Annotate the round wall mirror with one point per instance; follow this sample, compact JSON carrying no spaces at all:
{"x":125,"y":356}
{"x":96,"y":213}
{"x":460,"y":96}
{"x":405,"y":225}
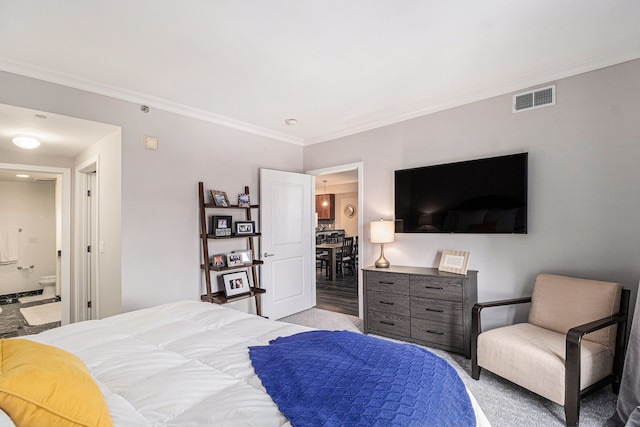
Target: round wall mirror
{"x":349,"y":210}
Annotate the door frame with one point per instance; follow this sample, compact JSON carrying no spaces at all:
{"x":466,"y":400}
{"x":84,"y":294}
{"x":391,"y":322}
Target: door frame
{"x":65,"y":229}
{"x":359,"y":166}
{"x":83,"y":265}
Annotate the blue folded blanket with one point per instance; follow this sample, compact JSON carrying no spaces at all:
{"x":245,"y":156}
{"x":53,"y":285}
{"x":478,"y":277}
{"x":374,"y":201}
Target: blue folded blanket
{"x":341,"y":378}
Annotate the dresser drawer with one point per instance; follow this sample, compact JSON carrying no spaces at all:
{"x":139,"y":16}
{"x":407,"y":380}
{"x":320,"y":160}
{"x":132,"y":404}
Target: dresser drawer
{"x":388,"y":303}
{"x":436,"y":287}
{"x":387,"y":282}
{"x":443,"y":334}
{"x":437,"y":310}
{"x":388,"y":324}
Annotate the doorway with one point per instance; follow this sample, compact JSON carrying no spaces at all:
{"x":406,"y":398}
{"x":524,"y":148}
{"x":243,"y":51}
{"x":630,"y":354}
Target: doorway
{"x":338,"y":283}
{"x":62,"y":176}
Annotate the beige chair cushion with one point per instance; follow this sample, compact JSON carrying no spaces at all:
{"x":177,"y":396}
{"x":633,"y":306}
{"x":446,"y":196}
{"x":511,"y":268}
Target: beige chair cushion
{"x":534,"y":358}
{"x":560,"y":303}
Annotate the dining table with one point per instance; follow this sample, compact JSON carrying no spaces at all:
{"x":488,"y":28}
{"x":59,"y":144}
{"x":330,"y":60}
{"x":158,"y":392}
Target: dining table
{"x":332,"y":249}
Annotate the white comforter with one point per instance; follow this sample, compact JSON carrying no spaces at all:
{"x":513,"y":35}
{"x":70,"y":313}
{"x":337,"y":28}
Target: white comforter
{"x":179,"y":364}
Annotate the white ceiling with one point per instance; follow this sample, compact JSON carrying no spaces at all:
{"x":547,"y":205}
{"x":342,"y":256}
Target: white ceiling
{"x":59,"y":135}
{"x":335,"y":179}
{"x":32,"y":177}
{"x":338,"y":66}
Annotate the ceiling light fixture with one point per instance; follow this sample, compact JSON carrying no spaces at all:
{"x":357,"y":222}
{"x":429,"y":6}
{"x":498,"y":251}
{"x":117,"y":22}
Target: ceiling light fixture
{"x":291,"y":122}
{"x":26,"y":142}
{"x":22,"y":175}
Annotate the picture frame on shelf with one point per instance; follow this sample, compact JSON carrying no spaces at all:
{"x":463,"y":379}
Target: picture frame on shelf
{"x":220,"y":198}
{"x":245,"y":256}
{"x":234,"y":259}
{"x":221,"y":225}
{"x":454,"y":261}
{"x":244,"y":201}
{"x":219,"y":260}
{"x":244,"y":228}
{"x":236,"y":284}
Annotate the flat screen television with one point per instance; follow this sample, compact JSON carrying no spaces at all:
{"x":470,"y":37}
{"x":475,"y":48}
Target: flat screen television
{"x":477,"y":196}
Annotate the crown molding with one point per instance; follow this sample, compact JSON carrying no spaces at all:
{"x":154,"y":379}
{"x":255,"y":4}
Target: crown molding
{"x":143,"y":99}
{"x":454,"y":100}
{"x":363,"y":124}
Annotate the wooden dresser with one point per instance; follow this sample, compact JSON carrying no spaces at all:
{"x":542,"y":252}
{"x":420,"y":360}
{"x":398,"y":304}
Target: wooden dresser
{"x":421,"y":305}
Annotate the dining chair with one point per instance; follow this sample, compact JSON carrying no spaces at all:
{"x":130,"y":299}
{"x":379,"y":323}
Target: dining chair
{"x":322,"y":256}
{"x":344,"y":257}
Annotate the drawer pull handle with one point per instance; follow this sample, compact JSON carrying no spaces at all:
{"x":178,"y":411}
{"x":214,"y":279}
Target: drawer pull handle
{"x":385,"y":283}
{"x":386,"y":303}
{"x":433,"y":310}
{"x":387,"y":323}
{"x":435,"y":332}
{"x":434,"y":287}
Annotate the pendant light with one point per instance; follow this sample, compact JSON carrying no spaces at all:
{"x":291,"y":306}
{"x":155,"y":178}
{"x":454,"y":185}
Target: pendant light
{"x":324,"y":202}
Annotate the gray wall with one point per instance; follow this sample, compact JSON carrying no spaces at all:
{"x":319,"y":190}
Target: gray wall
{"x":160,"y":237}
{"x":584,"y":182}
{"x":106,"y":154}
{"x":584,"y":200}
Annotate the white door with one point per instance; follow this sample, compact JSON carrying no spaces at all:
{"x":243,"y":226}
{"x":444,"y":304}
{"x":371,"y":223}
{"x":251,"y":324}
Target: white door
{"x":286,"y":222}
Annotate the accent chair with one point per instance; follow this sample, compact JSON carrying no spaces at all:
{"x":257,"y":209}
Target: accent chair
{"x":572,"y":344}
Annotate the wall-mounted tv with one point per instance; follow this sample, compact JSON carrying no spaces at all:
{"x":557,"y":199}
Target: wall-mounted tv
{"x":477,"y":196}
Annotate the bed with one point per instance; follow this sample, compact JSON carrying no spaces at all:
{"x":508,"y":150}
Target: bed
{"x":180,"y":364}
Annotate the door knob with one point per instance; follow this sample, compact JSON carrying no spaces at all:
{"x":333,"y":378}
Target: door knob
{"x":268,"y":255}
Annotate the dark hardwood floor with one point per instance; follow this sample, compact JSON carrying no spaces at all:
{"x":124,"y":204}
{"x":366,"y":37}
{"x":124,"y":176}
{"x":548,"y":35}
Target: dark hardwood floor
{"x":340,"y":296}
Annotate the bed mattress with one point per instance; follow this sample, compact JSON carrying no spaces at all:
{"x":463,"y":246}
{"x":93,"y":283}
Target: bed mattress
{"x":180,"y":364}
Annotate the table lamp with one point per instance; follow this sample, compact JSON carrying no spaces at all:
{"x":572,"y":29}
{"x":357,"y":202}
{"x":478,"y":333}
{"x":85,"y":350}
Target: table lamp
{"x":382,"y":232}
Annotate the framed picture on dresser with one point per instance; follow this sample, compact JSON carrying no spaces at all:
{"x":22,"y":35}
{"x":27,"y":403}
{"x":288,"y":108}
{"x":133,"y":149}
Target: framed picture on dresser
{"x":454,"y":261}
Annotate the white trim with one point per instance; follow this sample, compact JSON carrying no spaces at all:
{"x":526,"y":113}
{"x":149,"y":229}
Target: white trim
{"x":452,"y":100}
{"x":359,"y":166}
{"x":91,"y":165}
{"x":141,"y":98}
{"x":65,"y":238}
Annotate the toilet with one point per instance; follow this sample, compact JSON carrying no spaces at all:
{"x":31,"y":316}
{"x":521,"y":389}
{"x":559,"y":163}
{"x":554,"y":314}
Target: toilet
{"x":48,"y":284}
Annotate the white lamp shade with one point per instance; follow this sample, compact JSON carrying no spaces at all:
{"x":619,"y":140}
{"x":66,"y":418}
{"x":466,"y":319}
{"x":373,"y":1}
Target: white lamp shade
{"x":382,"y":231}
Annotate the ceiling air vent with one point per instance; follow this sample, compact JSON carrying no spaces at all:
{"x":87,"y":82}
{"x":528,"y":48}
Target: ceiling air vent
{"x":537,"y":98}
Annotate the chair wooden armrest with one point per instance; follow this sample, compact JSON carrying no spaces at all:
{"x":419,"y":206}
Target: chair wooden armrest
{"x":576,"y":333}
{"x":476,"y":327}
{"x":572,"y":358}
{"x":479,"y":306}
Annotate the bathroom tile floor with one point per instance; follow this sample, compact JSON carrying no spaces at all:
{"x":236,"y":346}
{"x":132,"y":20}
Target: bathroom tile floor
{"x":13,"y":323}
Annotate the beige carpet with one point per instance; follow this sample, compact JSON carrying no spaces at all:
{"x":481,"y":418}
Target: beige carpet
{"x":44,"y":313}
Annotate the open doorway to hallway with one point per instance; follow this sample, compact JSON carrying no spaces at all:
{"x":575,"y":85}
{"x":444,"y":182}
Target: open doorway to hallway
{"x":69,"y":143}
{"x":31,"y":241}
{"x":338,"y":231}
